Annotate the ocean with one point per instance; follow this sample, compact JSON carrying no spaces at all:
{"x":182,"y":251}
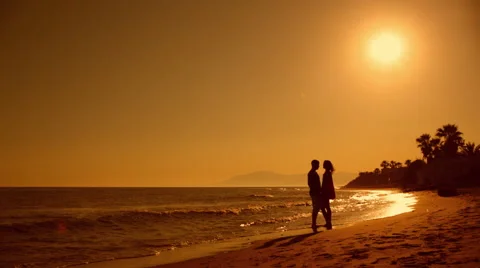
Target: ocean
{"x":62,"y":227}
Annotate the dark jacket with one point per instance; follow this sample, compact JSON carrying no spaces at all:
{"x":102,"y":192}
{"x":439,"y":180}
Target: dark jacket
{"x":314,"y":183}
{"x":328,"y":190}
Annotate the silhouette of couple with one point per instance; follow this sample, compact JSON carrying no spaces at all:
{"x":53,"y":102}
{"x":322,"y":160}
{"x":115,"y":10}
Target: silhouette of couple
{"x":321,"y":193}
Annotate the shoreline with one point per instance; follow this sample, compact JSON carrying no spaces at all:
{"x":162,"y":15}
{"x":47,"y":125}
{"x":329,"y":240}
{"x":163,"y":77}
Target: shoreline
{"x":199,"y":251}
{"x":439,"y":231}
{"x":370,"y":188}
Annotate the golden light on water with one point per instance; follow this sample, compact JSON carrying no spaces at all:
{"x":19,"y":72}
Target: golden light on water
{"x":401,"y":203}
{"x":380,"y":203}
{"x":388,"y":203}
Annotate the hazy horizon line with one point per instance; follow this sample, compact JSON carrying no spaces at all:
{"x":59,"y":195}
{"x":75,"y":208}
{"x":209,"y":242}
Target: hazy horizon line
{"x":209,"y":186}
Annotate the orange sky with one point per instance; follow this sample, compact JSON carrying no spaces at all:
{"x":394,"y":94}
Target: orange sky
{"x":163,"y":93}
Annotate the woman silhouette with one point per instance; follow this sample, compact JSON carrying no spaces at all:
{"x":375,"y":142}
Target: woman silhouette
{"x":328,"y":192}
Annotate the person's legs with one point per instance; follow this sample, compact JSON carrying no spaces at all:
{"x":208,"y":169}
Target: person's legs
{"x":314,"y":218}
{"x":324,"y":213}
{"x":323,"y":208}
{"x":315,"y":209}
{"x":328,"y":213}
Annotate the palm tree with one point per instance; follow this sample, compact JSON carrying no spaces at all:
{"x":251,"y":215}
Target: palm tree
{"x":424,"y":143}
{"x":395,"y":164}
{"x":451,"y":139}
{"x":469,"y":149}
{"x":411,"y":176}
{"x":384,"y":165}
{"x":408,"y":162}
{"x":436,"y":144}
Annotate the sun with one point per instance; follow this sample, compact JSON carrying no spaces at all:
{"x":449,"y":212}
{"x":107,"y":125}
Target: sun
{"x":386,"y":48}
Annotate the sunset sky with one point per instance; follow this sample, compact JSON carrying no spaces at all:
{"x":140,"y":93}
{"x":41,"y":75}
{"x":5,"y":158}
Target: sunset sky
{"x":179,"y":93}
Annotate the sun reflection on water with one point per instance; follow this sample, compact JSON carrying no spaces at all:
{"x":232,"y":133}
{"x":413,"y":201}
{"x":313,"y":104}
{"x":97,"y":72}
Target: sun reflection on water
{"x":382,"y":203}
{"x":402,"y":203}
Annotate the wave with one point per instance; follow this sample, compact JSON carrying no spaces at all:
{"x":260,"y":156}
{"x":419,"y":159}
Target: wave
{"x":364,"y":197}
{"x":58,"y":225}
{"x":120,"y":220}
{"x":261,"y":195}
{"x":224,"y":211}
{"x":285,"y":219}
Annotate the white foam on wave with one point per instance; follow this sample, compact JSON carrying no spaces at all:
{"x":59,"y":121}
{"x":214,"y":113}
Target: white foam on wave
{"x":284,"y":219}
{"x":262,"y":195}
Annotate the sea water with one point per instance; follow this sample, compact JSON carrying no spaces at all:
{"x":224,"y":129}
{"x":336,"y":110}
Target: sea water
{"x":59,"y":227}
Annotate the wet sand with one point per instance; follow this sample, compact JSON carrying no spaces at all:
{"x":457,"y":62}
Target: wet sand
{"x":440,"y":232}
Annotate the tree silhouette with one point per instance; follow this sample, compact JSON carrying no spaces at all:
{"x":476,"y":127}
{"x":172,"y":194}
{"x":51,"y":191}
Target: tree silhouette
{"x":408,"y":162}
{"x":450,"y":139}
{"x":384,"y":165}
{"x":395,"y":164}
{"x":424,"y":143}
{"x":436,"y":148}
{"x":445,"y":173}
{"x":469,"y":149}
{"x":410,"y":176}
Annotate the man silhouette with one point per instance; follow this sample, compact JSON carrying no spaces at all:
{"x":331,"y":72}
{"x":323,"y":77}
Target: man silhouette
{"x":315,"y":192}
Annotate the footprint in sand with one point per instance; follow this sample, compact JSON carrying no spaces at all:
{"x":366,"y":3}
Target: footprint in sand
{"x":383,"y":248}
{"x":325,"y":256}
{"x":408,"y":245}
{"x":410,"y":261}
{"x":378,"y":242}
{"x":428,"y":253}
{"x":454,"y":249}
{"x":358,"y":254}
{"x":452,"y":239}
{"x":380,"y":260}
{"x":394,"y":236}
{"x":277,"y":256}
{"x":347,"y":247}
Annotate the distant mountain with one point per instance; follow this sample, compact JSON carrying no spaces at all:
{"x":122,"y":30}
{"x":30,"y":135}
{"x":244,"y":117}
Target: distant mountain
{"x":268,"y":178}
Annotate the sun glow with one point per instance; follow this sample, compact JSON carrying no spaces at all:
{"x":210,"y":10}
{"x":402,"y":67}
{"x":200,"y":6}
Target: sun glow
{"x":386,"y":48}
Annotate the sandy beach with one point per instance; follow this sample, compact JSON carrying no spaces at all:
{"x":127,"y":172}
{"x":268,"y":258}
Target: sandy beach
{"x":440,"y":232}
